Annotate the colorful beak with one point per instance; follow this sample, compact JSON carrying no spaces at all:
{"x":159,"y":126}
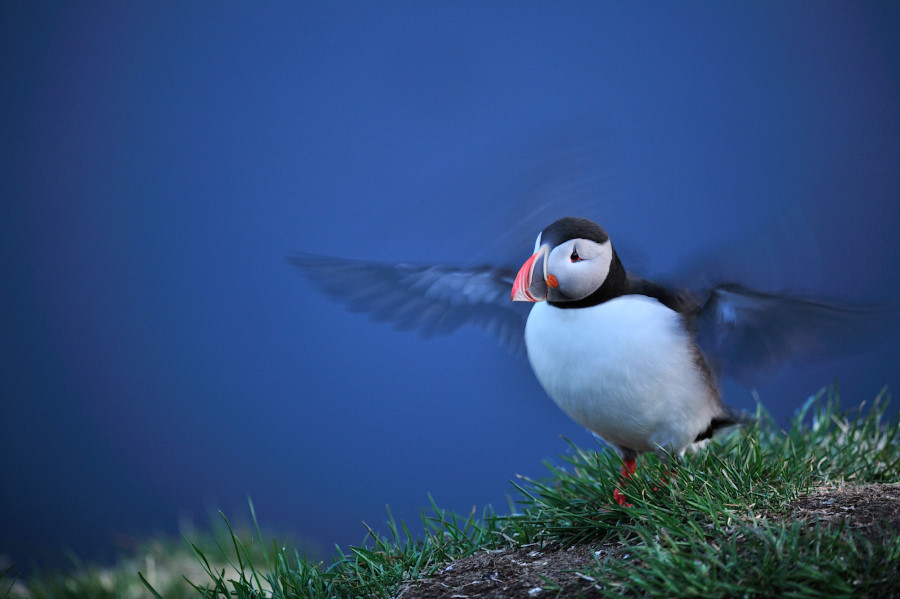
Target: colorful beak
{"x":531,"y":281}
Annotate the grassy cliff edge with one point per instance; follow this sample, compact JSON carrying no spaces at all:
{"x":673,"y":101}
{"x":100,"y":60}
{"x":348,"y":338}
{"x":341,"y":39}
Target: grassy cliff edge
{"x":813,"y":510}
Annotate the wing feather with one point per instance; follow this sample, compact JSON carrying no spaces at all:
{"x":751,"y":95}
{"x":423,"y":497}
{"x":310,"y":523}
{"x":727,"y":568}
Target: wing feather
{"x":749,"y":335}
{"x":433,"y":300}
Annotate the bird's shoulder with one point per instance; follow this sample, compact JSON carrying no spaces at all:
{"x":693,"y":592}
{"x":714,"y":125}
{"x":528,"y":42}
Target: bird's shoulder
{"x":679,"y":300}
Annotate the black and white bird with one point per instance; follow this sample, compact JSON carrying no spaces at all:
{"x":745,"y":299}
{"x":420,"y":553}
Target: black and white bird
{"x":616,"y":352}
{"x":634,"y":361}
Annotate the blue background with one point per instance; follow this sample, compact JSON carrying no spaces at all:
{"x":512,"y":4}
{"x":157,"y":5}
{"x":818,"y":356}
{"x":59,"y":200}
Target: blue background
{"x":160,"y":358}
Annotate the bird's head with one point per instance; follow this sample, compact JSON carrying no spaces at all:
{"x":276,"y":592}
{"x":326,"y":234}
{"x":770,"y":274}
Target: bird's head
{"x":573,"y":259}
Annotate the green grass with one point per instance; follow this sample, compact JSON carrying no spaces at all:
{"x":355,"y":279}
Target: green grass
{"x":753,"y":469}
{"x":165,"y":561}
{"x":713,"y":531}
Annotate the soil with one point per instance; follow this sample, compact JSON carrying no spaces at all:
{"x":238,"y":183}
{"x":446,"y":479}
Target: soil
{"x":525,"y":572}
{"x":871,"y":510}
{"x":510,"y":573}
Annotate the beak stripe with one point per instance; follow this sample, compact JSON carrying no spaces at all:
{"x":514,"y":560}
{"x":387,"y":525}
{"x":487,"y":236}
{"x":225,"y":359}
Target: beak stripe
{"x":530,"y":286}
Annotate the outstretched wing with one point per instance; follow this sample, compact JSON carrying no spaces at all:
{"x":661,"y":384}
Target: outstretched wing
{"x":748,"y":335}
{"x":434,"y":300}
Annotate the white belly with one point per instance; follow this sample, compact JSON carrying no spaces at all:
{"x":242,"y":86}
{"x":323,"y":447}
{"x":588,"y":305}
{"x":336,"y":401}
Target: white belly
{"x":625,"y":369}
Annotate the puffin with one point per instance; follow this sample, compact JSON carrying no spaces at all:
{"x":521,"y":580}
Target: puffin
{"x":634,"y":361}
{"x":616,"y":352}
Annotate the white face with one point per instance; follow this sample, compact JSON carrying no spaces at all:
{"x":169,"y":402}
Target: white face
{"x":580,"y":266}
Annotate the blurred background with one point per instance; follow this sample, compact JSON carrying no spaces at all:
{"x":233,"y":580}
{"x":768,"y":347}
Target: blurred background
{"x":160,"y":357}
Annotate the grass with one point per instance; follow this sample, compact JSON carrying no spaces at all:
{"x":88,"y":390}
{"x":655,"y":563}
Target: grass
{"x":718,"y":529}
{"x":164,"y":561}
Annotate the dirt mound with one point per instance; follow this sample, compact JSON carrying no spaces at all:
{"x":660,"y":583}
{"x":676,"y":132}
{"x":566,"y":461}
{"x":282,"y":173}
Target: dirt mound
{"x":522,"y":573}
{"x":870,"y":510}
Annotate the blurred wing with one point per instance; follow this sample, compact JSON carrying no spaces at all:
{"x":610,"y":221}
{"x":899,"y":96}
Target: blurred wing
{"x":435,"y":300}
{"x":749,"y":335}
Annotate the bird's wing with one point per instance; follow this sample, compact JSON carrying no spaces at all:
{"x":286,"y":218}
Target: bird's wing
{"x":434,"y":300}
{"x":748,"y":335}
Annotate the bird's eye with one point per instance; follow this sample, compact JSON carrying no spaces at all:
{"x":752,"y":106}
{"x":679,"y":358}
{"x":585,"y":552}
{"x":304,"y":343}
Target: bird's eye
{"x":575,"y":257}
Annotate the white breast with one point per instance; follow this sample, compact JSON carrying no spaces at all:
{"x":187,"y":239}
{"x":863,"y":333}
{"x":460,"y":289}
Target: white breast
{"x":625,"y":369}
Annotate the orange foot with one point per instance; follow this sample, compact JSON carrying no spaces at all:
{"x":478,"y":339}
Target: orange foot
{"x":620,"y":498}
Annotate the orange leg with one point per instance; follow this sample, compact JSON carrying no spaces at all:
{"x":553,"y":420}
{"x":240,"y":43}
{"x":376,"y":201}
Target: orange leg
{"x":628,"y":468}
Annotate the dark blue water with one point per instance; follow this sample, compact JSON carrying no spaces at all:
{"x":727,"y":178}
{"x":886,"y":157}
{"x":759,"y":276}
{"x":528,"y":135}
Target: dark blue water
{"x":160,"y":358}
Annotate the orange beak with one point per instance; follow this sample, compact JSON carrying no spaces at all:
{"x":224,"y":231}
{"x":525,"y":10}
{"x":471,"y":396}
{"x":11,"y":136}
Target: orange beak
{"x":531,"y":283}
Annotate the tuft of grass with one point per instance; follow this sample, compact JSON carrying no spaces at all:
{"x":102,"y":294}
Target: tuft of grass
{"x":768,"y":559}
{"x":707,"y":526}
{"x":709,"y":532}
{"x":371,"y":570}
{"x":754,"y":469}
{"x":167,"y":562}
